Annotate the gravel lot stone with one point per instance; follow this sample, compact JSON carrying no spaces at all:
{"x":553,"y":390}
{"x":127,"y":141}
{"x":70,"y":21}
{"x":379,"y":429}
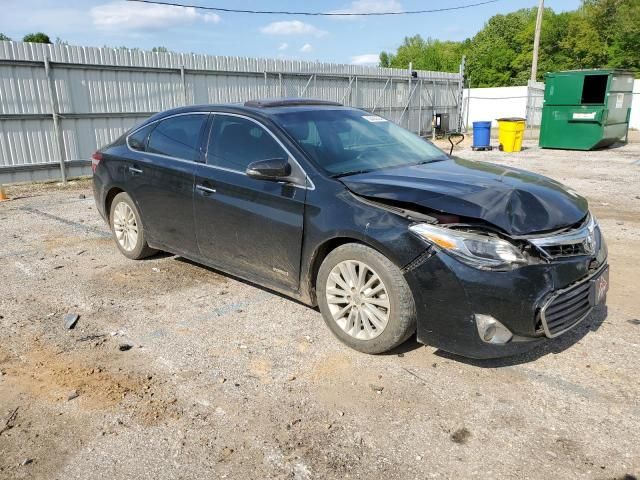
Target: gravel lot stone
{"x":228,"y":380}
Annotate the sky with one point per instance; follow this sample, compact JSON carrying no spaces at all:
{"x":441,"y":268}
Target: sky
{"x":340,"y":39}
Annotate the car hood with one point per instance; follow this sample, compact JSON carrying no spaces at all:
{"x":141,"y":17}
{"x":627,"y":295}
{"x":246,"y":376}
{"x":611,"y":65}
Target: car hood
{"x":516,"y":201}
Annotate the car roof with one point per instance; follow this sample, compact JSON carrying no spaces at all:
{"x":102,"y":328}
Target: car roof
{"x":261,"y":108}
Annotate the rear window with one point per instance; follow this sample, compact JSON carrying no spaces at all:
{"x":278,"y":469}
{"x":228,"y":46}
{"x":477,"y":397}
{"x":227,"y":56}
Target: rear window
{"x":346,"y":141}
{"x":138,"y":139}
{"x":178,"y":137}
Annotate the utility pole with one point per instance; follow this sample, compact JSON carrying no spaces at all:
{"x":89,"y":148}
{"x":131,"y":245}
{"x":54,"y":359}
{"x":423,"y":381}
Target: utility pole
{"x":536,"y":42}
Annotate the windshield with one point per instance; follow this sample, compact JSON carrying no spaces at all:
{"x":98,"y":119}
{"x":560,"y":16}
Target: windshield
{"x":344,"y":142}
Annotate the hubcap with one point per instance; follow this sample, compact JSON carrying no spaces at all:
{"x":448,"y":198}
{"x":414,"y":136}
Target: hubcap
{"x":358,"y":300}
{"x":125,"y":226}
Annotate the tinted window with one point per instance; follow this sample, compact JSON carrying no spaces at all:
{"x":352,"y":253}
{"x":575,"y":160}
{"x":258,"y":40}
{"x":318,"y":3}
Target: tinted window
{"x":236,"y":142}
{"x":138,"y":140}
{"x":178,"y":137}
{"x":344,"y":141}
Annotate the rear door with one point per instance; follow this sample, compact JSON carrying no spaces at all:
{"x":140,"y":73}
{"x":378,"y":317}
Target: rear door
{"x":161,"y":175}
{"x":248,"y":226}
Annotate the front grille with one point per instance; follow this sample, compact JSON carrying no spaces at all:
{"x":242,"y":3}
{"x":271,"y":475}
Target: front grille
{"x":570,"y":243}
{"x":566,"y":250}
{"x":566,"y":309}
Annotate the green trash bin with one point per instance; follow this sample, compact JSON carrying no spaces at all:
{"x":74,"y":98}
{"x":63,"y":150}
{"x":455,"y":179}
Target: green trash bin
{"x":586,"y":109}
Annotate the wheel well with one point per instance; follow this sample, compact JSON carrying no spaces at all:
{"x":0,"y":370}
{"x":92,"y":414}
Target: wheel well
{"x":320,"y":254}
{"x":109,"y":200}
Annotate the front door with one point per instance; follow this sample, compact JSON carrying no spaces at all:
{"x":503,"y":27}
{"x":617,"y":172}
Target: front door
{"x":245,"y":225}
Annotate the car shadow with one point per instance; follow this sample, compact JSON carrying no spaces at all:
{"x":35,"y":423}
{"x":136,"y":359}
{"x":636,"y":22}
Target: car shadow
{"x":409,"y":345}
{"x":239,"y":279}
{"x":554,"y":346}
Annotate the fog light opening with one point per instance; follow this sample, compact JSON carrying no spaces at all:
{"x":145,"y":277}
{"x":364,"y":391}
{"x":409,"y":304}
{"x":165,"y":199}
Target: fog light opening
{"x":491,"y":330}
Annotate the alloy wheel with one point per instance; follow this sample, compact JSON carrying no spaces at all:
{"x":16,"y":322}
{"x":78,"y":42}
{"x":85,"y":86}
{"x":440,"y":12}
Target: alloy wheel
{"x":125,"y":226}
{"x":358,"y":299}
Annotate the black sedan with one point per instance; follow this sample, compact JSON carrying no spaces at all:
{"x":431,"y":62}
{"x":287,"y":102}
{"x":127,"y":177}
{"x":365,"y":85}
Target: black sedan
{"x":345,"y":210}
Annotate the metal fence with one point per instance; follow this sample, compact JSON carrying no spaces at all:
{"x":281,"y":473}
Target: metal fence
{"x":60,"y":103}
{"x":535,"y":102}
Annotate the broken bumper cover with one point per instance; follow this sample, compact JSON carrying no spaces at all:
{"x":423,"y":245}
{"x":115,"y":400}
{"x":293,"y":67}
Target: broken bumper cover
{"x":449,"y":294}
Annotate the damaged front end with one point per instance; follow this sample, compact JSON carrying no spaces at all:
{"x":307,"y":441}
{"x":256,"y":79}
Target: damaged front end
{"x":484,"y":293}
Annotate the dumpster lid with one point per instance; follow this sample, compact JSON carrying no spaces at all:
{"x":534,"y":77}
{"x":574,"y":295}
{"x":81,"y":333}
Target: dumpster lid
{"x":512,"y":119}
{"x":592,"y":71}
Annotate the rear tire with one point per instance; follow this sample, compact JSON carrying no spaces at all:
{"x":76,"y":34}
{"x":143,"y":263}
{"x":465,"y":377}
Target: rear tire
{"x":364,"y":299}
{"x":127,"y":229}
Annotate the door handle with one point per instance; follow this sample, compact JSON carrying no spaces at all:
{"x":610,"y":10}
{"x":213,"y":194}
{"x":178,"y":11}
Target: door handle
{"x":135,"y":170}
{"x":205,"y":190}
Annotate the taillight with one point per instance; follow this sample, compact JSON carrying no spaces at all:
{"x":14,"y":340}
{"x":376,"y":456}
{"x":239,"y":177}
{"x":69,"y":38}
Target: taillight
{"x":95,"y":160}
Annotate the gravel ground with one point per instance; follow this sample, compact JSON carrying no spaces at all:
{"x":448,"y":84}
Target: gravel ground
{"x":226,"y":380}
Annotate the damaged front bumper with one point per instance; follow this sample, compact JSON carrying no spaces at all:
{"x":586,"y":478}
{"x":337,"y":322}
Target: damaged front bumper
{"x":449,"y":295}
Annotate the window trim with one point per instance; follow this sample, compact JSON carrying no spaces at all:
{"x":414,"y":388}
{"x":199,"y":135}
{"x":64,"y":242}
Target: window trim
{"x":310,"y":185}
{"x":158,"y":121}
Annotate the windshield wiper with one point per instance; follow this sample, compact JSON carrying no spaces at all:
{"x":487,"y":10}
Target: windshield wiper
{"x":432,"y":160}
{"x":352,"y":172}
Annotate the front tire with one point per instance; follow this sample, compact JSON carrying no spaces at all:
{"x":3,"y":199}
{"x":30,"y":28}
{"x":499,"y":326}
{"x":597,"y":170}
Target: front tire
{"x":364,"y":299}
{"x":127,"y":228}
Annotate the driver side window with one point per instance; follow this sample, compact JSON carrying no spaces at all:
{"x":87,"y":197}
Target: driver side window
{"x":236,"y":142}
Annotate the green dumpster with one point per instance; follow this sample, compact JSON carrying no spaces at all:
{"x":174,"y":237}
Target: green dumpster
{"x":586,"y":109}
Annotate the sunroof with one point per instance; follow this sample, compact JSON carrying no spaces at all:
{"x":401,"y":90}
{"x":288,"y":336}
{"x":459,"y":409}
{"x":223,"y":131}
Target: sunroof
{"x":288,"y":102}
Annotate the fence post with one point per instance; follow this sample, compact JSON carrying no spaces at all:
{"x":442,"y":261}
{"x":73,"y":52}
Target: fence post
{"x":184,"y":85}
{"x":461,"y":94}
{"x":54,"y":115}
{"x":409,"y":100}
{"x":433,"y":113}
{"x":466,"y":122}
{"x":420,"y":108}
{"x":355,"y":104}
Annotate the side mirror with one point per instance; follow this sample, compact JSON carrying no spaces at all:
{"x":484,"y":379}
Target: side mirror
{"x":270,"y":169}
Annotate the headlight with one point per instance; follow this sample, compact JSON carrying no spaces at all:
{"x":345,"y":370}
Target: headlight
{"x":475,"y":249}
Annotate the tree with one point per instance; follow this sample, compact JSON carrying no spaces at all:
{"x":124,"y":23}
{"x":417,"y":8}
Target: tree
{"x":4,"y":37}
{"x":599,"y":34}
{"x":426,"y":54}
{"x":160,"y":49}
{"x":385,"y":59}
{"x":624,"y":51}
{"x":38,"y":37}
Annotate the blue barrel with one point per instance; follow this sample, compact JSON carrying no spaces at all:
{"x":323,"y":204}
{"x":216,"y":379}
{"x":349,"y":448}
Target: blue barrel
{"x":481,"y":134}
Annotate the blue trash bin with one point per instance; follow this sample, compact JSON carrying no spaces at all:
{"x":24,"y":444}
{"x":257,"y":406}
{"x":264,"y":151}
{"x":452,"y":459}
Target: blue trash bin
{"x":481,"y":134}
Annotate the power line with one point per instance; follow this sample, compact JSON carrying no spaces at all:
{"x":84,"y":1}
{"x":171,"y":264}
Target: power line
{"x":316,"y":14}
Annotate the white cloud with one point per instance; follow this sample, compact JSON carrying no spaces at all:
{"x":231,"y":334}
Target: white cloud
{"x":283,"y":46}
{"x":306,"y":48}
{"x":121,"y":15}
{"x":293,"y":27}
{"x":366,"y":59}
{"x":368,"y":6}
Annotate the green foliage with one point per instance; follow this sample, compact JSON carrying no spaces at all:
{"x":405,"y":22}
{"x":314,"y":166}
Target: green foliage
{"x":426,"y":54}
{"x":38,"y":37}
{"x":4,"y":37}
{"x":601,"y":33}
{"x":160,"y":49}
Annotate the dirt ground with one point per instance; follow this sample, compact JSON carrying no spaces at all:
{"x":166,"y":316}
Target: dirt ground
{"x":226,"y":380}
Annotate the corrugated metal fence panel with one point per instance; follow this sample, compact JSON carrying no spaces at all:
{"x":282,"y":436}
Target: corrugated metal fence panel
{"x":101,"y":92}
{"x":82,"y":136}
{"x":23,"y":89}
{"x":27,"y":142}
{"x":138,"y":58}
